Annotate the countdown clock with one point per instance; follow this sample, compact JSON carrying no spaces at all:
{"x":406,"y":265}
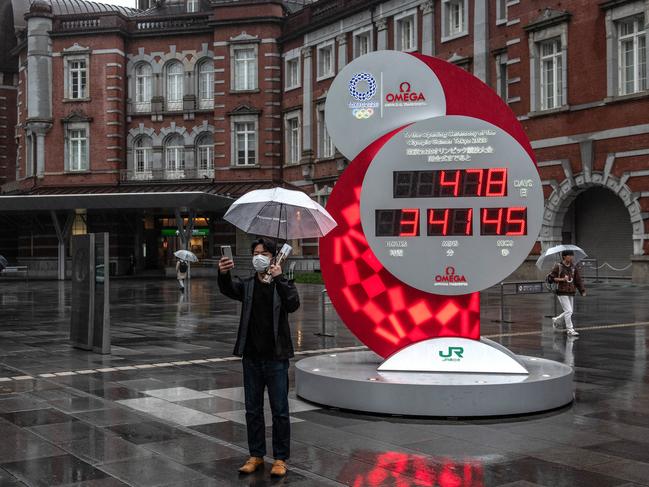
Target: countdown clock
{"x":443,"y":201}
{"x":451,"y":205}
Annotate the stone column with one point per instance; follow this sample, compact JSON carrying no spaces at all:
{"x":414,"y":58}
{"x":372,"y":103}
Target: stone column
{"x":307,"y":101}
{"x":39,"y":77}
{"x":428,"y":29}
{"x":382,"y":39}
{"x":342,"y":51}
{"x":480,"y":39}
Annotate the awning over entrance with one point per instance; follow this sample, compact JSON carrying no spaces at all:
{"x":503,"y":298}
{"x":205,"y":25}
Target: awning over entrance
{"x":105,"y":201}
{"x":201,"y":197}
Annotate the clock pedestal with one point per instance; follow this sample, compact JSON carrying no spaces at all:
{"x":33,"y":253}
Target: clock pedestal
{"x":351,"y":381}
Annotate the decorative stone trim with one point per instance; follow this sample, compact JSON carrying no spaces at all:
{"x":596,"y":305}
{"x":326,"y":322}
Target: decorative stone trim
{"x":566,"y":191}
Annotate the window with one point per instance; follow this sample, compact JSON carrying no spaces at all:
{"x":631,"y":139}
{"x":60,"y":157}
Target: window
{"x":175,"y":86}
{"x":293,"y":139}
{"x":362,"y":42}
{"x":293,"y":72}
{"x":245,"y":68}
{"x":77,"y":77}
{"x":205,"y":152}
{"x":632,"y":55}
{"x":406,"y":34}
{"x":326,"y":61}
{"x":502,"y":81}
{"x":175,"y":156}
{"x":30,"y":151}
{"x":245,"y":141}
{"x":501,"y":11}
{"x":326,"y":147}
{"x":77,"y":149}
{"x":454,"y":19}
{"x":142,"y":152}
{"x":551,"y":74}
{"x":143,"y":87}
{"x":206,"y":85}
{"x":192,"y":5}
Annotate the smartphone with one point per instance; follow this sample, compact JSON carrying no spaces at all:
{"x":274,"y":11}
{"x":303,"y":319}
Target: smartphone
{"x":226,"y":251}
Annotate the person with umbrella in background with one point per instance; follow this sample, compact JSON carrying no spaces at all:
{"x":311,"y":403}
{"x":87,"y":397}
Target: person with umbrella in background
{"x":567,"y":277}
{"x":181,"y":273}
{"x":264,"y":342}
{"x":182,"y":266}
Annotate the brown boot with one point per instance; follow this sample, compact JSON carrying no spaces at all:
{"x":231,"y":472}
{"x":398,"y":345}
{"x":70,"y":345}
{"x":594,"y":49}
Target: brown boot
{"x":251,"y":465}
{"x":279,"y":469}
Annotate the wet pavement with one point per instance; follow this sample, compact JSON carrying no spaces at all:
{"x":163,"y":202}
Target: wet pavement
{"x":166,"y":407}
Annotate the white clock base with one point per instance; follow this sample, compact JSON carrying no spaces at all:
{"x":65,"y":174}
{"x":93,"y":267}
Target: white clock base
{"x":351,"y":381}
{"x":454,"y":355}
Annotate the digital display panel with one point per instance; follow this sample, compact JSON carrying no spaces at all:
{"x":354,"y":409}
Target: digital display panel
{"x":450,"y":183}
{"x":451,"y":222}
{"x":397,"y":223}
{"x":444,"y":222}
{"x":503,"y":221}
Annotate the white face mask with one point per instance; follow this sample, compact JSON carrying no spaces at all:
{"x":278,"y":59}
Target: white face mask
{"x":260,"y":262}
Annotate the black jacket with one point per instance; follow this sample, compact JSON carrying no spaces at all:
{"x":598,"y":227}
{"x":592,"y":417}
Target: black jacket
{"x":285,"y":300}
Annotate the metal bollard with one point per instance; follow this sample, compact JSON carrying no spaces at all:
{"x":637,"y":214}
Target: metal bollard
{"x":323,"y":315}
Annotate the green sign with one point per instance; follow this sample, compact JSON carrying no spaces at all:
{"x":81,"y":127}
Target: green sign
{"x":196,"y":232}
{"x":448,"y":356}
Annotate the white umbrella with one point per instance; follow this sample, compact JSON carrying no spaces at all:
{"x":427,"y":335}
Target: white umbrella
{"x":546,"y":257}
{"x":186,"y":255}
{"x":280,"y":212}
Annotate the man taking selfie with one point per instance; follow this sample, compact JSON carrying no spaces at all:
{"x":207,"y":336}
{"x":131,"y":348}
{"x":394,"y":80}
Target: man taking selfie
{"x":264,"y":342}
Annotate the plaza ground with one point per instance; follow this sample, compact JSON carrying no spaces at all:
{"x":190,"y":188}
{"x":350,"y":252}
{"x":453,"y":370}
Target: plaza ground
{"x":69,"y":417}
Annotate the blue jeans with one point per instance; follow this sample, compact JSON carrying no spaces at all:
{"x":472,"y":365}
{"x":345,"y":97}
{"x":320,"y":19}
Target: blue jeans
{"x":257,"y":375}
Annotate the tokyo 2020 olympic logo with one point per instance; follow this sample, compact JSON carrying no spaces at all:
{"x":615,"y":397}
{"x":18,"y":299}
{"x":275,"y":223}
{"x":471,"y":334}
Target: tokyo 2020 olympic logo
{"x":358,"y":93}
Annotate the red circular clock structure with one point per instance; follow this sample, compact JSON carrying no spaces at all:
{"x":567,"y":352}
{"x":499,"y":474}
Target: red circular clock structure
{"x":383,"y":311}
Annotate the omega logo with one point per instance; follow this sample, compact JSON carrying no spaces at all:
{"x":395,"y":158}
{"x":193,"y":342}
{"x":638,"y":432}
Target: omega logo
{"x":405,"y":94}
{"x":450,"y":278}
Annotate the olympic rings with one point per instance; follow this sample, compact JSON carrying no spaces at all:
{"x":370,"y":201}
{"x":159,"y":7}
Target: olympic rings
{"x":363,"y":113}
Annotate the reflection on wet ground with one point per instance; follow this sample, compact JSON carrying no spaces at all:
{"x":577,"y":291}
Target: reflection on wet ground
{"x":69,"y":417}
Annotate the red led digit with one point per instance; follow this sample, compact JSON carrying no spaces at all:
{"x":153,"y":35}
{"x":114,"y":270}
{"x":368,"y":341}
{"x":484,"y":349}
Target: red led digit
{"x":473,"y":182}
{"x":516,"y":221}
{"x":439,"y":218}
{"x":454,"y":183}
{"x":496,"y":182}
{"x":469,"y":221}
{"x":488,"y":218}
{"x":409,"y":224}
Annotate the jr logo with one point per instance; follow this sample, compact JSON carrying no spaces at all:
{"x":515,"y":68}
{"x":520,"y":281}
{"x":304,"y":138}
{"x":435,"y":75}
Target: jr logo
{"x":448,"y":355}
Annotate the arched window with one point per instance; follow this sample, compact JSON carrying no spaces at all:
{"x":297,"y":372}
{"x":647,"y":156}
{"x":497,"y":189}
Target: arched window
{"x":206,"y":84}
{"x":174,"y":156}
{"x":175,"y":86}
{"x":142,"y":156}
{"x":205,"y":152}
{"x":143,"y":85}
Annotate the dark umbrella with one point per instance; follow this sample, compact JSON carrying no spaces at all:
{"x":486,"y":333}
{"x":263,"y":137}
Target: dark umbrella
{"x":3,"y":262}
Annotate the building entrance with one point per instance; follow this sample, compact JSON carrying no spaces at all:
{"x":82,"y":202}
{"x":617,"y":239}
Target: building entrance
{"x":598,"y":222}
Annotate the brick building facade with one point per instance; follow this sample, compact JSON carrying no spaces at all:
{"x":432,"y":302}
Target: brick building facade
{"x":218,"y":97}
